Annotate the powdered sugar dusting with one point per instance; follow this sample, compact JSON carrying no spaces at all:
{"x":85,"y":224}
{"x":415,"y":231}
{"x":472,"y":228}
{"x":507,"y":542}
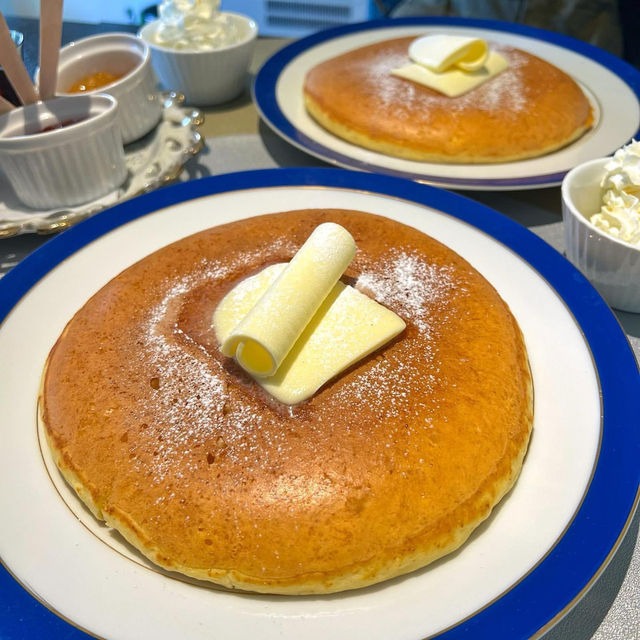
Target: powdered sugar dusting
{"x":409,"y":286}
{"x":394,"y":386}
{"x":177,"y":369}
{"x":504,"y":92}
{"x":400,"y":383}
{"x":198,"y":419}
{"x":191,"y":392}
{"x":386,"y":88}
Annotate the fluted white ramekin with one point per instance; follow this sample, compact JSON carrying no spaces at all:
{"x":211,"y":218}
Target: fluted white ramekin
{"x":81,"y":161}
{"x":124,"y":54}
{"x":613,"y":266}
{"x":204,"y":77}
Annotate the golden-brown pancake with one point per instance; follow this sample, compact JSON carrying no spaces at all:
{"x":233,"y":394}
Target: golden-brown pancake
{"x":530,"y":109}
{"x":386,"y":468}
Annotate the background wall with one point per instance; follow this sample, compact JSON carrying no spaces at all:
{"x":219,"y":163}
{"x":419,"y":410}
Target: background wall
{"x":292,"y":18}
{"x":118,"y":11}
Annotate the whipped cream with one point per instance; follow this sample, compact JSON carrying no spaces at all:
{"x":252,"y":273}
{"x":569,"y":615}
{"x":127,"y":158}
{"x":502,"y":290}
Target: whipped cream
{"x":196,"y":25}
{"x":620,"y":212}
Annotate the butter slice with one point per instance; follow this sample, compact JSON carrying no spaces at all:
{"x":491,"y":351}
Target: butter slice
{"x":267,"y":333}
{"x":440,"y":52}
{"x":454,"y":82}
{"x":451,"y":65}
{"x":346,"y":327}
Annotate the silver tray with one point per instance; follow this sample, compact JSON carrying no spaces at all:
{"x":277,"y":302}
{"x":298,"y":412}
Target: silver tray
{"x":152,"y":161}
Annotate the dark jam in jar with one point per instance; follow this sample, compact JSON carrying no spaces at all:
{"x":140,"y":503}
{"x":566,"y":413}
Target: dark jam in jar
{"x":51,"y":127}
{"x":59,"y":125}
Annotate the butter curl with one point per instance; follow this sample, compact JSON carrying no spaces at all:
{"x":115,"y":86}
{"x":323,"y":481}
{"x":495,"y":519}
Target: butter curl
{"x":440,"y":52}
{"x":264,"y":337}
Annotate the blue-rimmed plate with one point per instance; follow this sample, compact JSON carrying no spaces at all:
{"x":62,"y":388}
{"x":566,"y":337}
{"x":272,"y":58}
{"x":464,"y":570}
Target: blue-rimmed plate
{"x":520,"y":571}
{"x":612,"y":86}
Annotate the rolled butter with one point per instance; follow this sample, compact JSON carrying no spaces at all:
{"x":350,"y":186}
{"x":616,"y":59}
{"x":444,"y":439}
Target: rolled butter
{"x":440,"y":52}
{"x":346,"y":327}
{"x":451,"y":65}
{"x":264,"y":337}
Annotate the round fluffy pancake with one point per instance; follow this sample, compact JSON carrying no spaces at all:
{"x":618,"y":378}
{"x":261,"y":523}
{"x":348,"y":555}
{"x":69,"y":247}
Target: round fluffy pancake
{"x":388,"y":467}
{"x":530,"y":109}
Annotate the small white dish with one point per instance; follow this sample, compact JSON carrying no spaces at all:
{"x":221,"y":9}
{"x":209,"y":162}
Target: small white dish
{"x":204,"y":77}
{"x":151,"y":162}
{"x":62,"y":152}
{"x":124,"y":55}
{"x":613,"y":266}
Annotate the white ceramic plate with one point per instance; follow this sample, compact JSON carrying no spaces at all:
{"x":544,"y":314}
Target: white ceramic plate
{"x":611,"y":85}
{"x":560,"y":515}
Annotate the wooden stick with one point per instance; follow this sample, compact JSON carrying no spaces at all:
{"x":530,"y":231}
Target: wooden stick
{"x":13,"y":66}
{"x":5,"y":105}
{"x":50,"y":36}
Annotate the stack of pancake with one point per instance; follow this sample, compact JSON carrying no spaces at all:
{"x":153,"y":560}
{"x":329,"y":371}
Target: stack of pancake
{"x":530,"y":109}
{"x":387,"y":467}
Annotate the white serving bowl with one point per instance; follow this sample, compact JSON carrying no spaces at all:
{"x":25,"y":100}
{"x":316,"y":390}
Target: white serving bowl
{"x":81,"y":161}
{"x":122,"y":54}
{"x":613,"y":266}
{"x":204,"y":77}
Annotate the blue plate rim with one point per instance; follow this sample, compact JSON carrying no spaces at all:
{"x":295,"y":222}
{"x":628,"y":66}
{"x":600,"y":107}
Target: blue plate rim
{"x":263,"y":94}
{"x":581,"y":554}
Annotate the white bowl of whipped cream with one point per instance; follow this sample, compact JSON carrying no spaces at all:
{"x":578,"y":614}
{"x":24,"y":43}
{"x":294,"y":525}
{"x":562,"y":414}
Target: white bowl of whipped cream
{"x":200,"y":51}
{"x":601,"y":213}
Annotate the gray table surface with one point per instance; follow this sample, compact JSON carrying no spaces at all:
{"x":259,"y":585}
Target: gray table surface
{"x":610,"y":610}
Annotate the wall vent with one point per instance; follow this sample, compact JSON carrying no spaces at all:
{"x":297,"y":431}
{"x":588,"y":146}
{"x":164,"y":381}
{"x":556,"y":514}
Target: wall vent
{"x":297,"y":18}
